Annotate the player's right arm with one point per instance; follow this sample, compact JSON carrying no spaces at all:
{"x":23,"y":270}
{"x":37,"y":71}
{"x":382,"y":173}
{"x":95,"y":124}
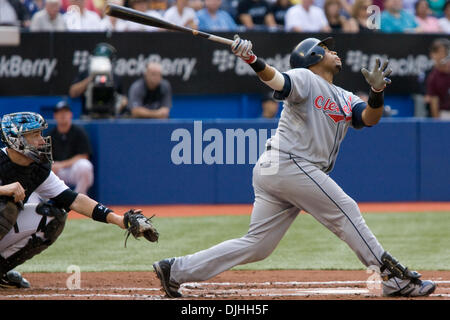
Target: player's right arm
{"x":268,"y":74}
{"x":14,"y":190}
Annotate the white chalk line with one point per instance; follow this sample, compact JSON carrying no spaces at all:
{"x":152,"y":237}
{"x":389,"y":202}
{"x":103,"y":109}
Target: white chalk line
{"x":196,"y":285}
{"x":289,"y":283}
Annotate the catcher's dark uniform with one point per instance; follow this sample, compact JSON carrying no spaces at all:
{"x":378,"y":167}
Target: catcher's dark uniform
{"x":37,"y":225}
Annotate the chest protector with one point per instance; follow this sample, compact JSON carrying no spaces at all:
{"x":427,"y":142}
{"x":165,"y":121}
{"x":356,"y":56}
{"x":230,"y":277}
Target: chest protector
{"x":30,"y":177}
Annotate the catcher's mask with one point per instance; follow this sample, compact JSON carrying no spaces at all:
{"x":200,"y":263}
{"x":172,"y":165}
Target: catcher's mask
{"x":13,"y":128}
{"x":309,"y":52}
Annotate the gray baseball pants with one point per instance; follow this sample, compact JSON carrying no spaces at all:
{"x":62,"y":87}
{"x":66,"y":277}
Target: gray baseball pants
{"x":283,"y":186}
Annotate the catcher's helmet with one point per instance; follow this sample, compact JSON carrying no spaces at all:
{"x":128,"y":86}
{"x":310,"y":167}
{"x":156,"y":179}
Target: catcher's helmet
{"x":15,"y":125}
{"x":309,"y":52}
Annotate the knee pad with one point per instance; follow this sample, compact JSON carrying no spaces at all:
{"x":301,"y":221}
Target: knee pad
{"x":84,"y":165}
{"x":8,"y":217}
{"x":36,"y":244}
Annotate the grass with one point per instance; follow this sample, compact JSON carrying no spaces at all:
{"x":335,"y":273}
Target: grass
{"x":419,"y":240}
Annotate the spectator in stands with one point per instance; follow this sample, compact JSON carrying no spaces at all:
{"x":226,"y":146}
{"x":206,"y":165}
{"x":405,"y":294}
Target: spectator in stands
{"x":14,"y":13}
{"x":79,"y":18}
{"x":88,"y":4}
{"x":142,"y":6}
{"x":438,"y":80}
{"x":48,"y":19}
{"x":196,"y":4}
{"x":360,"y":17}
{"x":182,"y":14}
{"x":230,"y":6}
{"x":87,"y":80}
{"x":395,"y":19}
{"x":159,"y":5}
{"x":279,"y":9}
{"x":444,"y":22}
{"x":306,"y":17}
{"x":71,"y":150}
{"x":109,"y":23}
{"x":33,"y":6}
{"x":427,"y":23}
{"x":410,"y":6}
{"x":255,"y":15}
{"x":150,"y":96}
{"x":212,"y":18}
{"x":336,"y":20}
{"x":437,"y":7}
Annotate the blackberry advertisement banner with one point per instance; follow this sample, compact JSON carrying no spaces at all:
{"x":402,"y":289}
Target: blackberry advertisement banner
{"x":47,"y":63}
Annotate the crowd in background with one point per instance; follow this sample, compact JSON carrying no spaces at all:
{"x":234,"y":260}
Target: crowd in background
{"x":432,"y":16}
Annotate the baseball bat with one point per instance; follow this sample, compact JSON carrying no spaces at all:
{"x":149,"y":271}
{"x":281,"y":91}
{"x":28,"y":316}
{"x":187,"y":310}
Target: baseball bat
{"x":142,"y":18}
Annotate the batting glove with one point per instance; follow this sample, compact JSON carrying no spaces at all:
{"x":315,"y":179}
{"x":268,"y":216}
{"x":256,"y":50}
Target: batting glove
{"x":378,"y":77}
{"x":243,"y":49}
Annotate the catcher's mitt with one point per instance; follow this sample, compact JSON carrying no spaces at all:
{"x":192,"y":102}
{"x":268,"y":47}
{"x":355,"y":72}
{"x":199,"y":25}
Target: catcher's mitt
{"x":139,"y":226}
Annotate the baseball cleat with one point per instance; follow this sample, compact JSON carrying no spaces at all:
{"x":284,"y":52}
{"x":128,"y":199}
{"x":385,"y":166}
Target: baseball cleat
{"x":162,"y":269}
{"x":13,"y":279}
{"x":417,"y":288}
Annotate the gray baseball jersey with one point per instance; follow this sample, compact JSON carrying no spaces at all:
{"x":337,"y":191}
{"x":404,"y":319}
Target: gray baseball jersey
{"x":315,"y":119}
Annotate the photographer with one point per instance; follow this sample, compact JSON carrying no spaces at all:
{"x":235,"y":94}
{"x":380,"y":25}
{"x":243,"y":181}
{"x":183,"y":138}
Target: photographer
{"x":99,"y":88}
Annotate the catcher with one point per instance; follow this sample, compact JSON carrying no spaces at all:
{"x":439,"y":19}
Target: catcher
{"x":27,"y":225}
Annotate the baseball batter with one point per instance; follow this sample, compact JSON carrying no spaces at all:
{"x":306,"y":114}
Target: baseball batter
{"x":292,"y":174}
{"x":28,"y":227}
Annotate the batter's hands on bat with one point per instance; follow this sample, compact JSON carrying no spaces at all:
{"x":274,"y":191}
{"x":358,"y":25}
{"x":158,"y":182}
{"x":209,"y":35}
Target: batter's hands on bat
{"x":378,"y":77}
{"x":243,"y":49}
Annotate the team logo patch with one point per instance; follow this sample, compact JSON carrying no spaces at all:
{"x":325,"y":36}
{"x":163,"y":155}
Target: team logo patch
{"x":331,"y":108}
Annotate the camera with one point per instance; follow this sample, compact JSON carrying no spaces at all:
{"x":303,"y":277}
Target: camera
{"x":102,"y":100}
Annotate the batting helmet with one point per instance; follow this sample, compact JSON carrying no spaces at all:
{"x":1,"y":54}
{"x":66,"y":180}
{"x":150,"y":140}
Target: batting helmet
{"x":309,"y":52}
{"x":15,"y":125}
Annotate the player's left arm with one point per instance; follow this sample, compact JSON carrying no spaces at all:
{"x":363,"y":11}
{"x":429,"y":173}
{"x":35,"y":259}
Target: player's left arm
{"x":378,"y":79}
{"x":92,"y":209}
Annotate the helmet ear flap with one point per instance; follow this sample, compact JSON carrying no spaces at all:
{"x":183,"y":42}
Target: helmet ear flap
{"x":309,"y":52}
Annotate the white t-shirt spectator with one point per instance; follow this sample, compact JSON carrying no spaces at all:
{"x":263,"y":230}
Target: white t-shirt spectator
{"x":41,"y":21}
{"x":172,"y":15}
{"x":444,"y":23}
{"x":312,"y":20}
{"x":8,"y":15}
{"x":87,"y":21}
{"x":106,"y":24}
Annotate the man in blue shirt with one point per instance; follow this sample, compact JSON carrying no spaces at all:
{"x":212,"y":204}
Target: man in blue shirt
{"x":395,"y":19}
{"x":211,"y":18}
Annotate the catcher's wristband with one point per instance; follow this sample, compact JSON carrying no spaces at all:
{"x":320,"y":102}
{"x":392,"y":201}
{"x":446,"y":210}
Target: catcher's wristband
{"x":376,"y":99}
{"x":100,"y":213}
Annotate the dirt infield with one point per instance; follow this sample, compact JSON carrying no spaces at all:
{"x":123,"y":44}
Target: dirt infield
{"x":231,"y":285}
